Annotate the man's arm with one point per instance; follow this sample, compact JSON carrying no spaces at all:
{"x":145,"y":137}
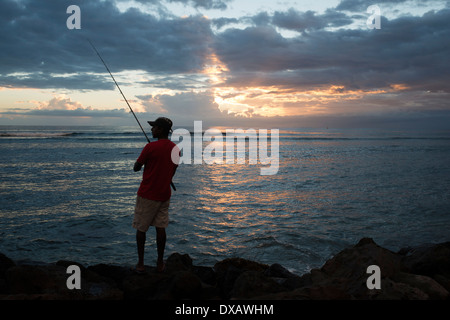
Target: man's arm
{"x":137,"y":166}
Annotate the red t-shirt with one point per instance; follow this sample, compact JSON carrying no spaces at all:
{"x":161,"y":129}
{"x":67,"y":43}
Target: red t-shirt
{"x":158,"y":170}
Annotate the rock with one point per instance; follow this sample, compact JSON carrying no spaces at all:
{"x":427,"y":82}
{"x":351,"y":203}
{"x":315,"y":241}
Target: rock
{"x":353,"y":262}
{"x":429,"y":260}
{"x":347,"y":271}
{"x":230,"y":269}
{"x":344,"y":276}
{"x":108,"y":271}
{"x":443,"y":281}
{"x":152,"y":285}
{"x":276,"y":270}
{"x":5,"y":264}
{"x":251,"y":284}
{"x":42,"y":282}
{"x":67,"y":263}
{"x":28,"y":279}
{"x":432,"y":289}
{"x":392,"y":290}
{"x":177,"y":262}
{"x":239,"y":264}
{"x":324,"y":292}
{"x":421,"y":273}
{"x":284,"y":277}
{"x":297,"y":294}
{"x":206,"y":274}
{"x":186,"y":285}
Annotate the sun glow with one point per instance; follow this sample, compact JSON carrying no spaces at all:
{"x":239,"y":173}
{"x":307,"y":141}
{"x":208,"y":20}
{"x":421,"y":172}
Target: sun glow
{"x":215,"y":69}
{"x":269,"y":101}
{"x":279,"y":101}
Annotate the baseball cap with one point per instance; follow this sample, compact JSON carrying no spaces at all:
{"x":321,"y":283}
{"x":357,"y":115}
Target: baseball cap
{"x":162,"y":122}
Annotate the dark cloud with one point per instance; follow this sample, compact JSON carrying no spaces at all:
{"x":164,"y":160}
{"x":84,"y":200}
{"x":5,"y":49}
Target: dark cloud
{"x":261,"y":19}
{"x":361,"y":5}
{"x":252,"y":49}
{"x":221,"y":22}
{"x":36,"y":41}
{"x":204,"y":4}
{"x":291,"y":19}
{"x":309,"y":20}
{"x":408,"y":50}
{"x":178,"y":82}
{"x":44,"y":80}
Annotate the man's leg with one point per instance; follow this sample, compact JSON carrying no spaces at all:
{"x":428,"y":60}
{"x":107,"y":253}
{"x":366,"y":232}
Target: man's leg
{"x":161,"y":245}
{"x":140,"y":241}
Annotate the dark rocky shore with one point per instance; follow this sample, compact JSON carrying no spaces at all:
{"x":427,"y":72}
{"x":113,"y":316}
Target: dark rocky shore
{"x":420,"y":273}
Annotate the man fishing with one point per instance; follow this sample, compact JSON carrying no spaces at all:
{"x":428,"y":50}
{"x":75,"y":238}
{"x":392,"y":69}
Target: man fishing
{"x":160,"y":159}
{"x":153,"y":196}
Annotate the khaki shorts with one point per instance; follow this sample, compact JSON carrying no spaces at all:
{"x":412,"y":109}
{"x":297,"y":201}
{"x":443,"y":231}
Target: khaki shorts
{"x":150,"y":213}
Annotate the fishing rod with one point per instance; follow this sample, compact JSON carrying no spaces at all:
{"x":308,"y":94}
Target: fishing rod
{"x":104,"y":63}
{"x":106,"y":66}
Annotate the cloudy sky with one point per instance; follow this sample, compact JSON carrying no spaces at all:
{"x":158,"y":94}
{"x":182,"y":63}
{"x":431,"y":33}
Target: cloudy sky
{"x":248,"y":63}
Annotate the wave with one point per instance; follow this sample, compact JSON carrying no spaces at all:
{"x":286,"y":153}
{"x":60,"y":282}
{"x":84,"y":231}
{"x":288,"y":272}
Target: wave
{"x":120,"y":136}
{"x":111,"y":134}
{"x":361,"y":138}
{"x":36,"y":134}
{"x":80,"y":135}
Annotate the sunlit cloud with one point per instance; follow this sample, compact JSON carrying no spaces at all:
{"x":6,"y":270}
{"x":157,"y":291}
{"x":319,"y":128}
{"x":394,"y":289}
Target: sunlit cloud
{"x":276,"y":101}
{"x":59,"y":102}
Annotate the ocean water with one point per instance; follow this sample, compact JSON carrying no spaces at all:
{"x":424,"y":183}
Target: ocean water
{"x":69,"y":193}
